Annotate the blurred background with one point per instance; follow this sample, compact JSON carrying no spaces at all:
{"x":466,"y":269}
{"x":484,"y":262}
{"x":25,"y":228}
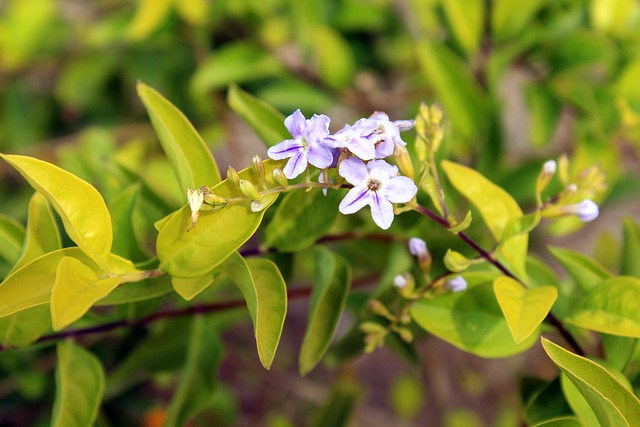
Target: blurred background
{"x":519,"y":83}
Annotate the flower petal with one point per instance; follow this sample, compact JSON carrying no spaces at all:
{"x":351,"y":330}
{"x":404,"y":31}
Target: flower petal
{"x":381,"y":211}
{"x":381,"y":170}
{"x":356,"y":199}
{"x":295,"y":123}
{"x":296,"y":165}
{"x":284,"y":149}
{"x":400,"y":189}
{"x":317,"y":127}
{"x":354,"y":171}
{"x":320,"y":156}
{"x":403,"y":125}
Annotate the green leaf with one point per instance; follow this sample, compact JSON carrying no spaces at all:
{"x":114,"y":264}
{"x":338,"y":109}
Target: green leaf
{"x":471,"y":320}
{"x":455,"y":87}
{"x":331,"y":282}
{"x":525,"y":309}
{"x":191,"y":159}
{"x":76,"y":289}
{"x":612,"y":403}
{"x":122,"y":209}
{"x":301,"y":219}
{"x":631,"y":249}
{"x":456,"y":262}
{"x":522,"y":225}
{"x":218,"y":233}
{"x":586,"y":272}
{"x":466,"y":222}
{"x":31,"y":285}
{"x":42,"y":232}
{"x":79,"y":387}
{"x":11,"y":238}
{"x":466,"y":19}
{"x":82,"y":209}
{"x":612,"y":307}
{"x":578,"y":404}
{"x":265,"y":120}
{"x":497,"y":208}
{"x":544,"y":402}
{"x":509,"y":18}
{"x":150,"y":15}
{"x":560,"y":422}
{"x":189,"y":287}
{"x":198,"y":376}
{"x":237,"y":62}
{"x":23,"y":328}
{"x":138,"y":291}
{"x":265,"y":292}
{"x":336,"y":63}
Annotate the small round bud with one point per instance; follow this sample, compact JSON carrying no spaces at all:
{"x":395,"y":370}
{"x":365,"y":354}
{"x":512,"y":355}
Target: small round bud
{"x":549,"y":167}
{"x":280,"y":178}
{"x":586,"y":210}
{"x":249,"y":190}
{"x":214,"y":200}
{"x":232,"y":175}
{"x":572,"y":188}
{"x":457,"y":284}
{"x":418,"y":247}
{"x":399,"y":282}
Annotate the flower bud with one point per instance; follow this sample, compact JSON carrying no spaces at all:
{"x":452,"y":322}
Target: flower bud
{"x":457,"y":284}
{"x":214,"y":200}
{"x":280,"y":178}
{"x":418,"y":249}
{"x":399,"y":282}
{"x":586,"y":210}
{"x":403,"y":160}
{"x":250,"y":190}
{"x":405,"y":284}
{"x":549,"y":167}
{"x":258,"y":166}
{"x":232,"y":175}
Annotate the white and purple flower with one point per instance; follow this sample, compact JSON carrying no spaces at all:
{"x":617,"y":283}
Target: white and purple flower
{"x":376,"y":184}
{"x":308,"y":145}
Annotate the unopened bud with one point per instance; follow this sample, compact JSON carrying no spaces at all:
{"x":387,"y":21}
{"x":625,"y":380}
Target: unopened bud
{"x":405,"y":284}
{"x":586,"y":210}
{"x":280,"y":178}
{"x":457,"y":284}
{"x":214,"y":200}
{"x":549,"y":167}
{"x":418,"y":247}
{"x":403,"y":160}
{"x":399,"y":282}
{"x":436,"y":114}
{"x":232,"y":175}
{"x":258,"y":166}
{"x":250,"y":190}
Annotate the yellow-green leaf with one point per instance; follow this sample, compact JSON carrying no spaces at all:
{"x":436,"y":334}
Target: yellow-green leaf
{"x":31,"y":285}
{"x":42,"y":231}
{"x":524,"y":309}
{"x":331,"y":282}
{"x":79,"y":387}
{"x":466,"y":19}
{"x":265,"y":120}
{"x":192,"y":161}
{"x":82,"y":209}
{"x":149,"y":16}
{"x":456,"y":262}
{"x":189,"y":287}
{"x":76,"y":289}
{"x":22,"y":328}
{"x":11,"y":239}
{"x":612,"y":307}
{"x":497,"y":208}
{"x":612,"y":403}
{"x":217,"y":234}
{"x":336,"y":64}
{"x":265,"y":292}
{"x":586,"y":272}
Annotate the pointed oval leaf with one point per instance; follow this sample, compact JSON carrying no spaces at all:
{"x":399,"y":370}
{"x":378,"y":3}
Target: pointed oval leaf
{"x":75,"y":290}
{"x":466,"y":19}
{"x":560,"y":422}
{"x":42,"y":231}
{"x":586,"y":272}
{"x":191,"y":159}
{"x":497,"y":208}
{"x":122,"y":208}
{"x":149,"y":16}
{"x":198,"y":376}
{"x":23,"y":328}
{"x":524,"y":309}
{"x":631,"y":249}
{"x":331,"y":282}
{"x":471,"y":320}
{"x":613,"y":307}
{"x":612,"y":403}
{"x":456,"y":262}
{"x":217,"y":234}
{"x":301,"y":219}
{"x":265,"y":120}
{"x":188,"y":288}
{"x":265,"y":293}
{"x":31,"y":285}
{"x":11,"y":238}
{"x":79,"y":387}
{"x":82,"y":209}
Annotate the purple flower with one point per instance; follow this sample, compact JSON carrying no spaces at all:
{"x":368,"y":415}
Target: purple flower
{"x":357,"y":139}
{"x":586,"y":210}
{"x":418,"y":248}
{"x":308,"y":145}
{"x":376,"y":184}
{"x":457,"y":284}
{"x":387,"y":133}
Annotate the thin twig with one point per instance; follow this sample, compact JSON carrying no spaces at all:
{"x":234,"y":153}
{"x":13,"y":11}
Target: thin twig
{"x":557,"y":324}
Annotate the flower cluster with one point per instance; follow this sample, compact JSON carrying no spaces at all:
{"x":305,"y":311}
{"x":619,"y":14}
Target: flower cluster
{"x":357,"y":152}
